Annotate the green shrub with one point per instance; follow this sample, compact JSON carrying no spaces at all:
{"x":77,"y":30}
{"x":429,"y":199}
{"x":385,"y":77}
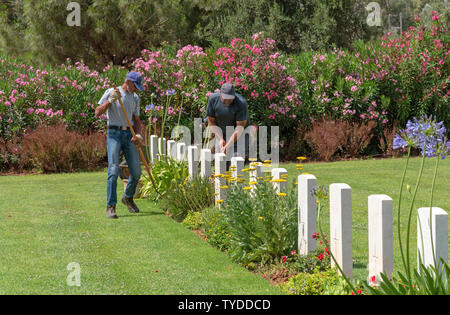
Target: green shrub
{"x":186,"y":195}
{"x":166,"y":172}
{"x":263,"y":227}
{"x":193,"y":220}
{"x":216,"y":228}
{"x":319,"y":282}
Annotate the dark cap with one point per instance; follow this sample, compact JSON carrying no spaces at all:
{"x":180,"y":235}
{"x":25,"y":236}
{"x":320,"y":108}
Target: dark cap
{"x":227,"y":91}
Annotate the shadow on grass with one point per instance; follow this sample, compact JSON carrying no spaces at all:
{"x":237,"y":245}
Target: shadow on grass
{"x":142,"y":214}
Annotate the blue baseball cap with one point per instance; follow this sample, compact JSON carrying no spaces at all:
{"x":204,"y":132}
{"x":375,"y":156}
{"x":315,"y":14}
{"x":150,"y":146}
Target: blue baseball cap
{"x":136,"y":78}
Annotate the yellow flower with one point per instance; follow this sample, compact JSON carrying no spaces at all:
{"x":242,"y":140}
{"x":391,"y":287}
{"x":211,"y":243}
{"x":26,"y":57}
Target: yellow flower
{"x":224,"y":187}
{"x":260,"y":178}
{"x":301,"y":158}
{"x":282,"y":194}
{"x":253,"y":159}
{"x":267,"y":161}
{"x":245,"y":169}
{"x":247,"y":188}
{"x":266,"y":165}
{"x":260,"y":218}
{"x":219,"y":201}
{"x":299,"y":165}
{"x":278,"y":181}
{"x":253,"y":183}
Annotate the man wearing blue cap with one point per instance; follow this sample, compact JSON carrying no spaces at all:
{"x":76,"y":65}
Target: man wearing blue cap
{"x":119,"y":138}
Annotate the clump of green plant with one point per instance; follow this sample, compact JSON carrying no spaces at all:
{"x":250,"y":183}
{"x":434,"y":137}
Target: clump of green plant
{"x":216,"y":228}
{"x":319,"y":282}
{"x":188,"y":195}
{"x":166,"y":173}
{"x":193,"y":220}
{"x":263,"y":223}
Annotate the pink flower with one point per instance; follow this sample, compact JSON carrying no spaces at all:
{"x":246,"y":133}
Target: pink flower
{"x":354,"y":88}
{"x":293,"y":252}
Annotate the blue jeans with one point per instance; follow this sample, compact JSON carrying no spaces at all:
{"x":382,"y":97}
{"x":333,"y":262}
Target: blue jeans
{"x":116,"y":141}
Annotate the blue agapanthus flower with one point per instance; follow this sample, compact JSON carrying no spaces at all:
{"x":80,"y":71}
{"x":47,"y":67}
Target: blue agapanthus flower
{"x":171,"y":92}
{"x":150,"y":107}
{"x":426,"y":134}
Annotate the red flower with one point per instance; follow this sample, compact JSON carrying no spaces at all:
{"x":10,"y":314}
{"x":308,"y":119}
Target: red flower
{"x":284,"y":258}
{"x":315,"y":236}
{"x":320,"y":256}
{"x":373,"y":279}
{"x":326,"y":252}
{"x":293,"y":252}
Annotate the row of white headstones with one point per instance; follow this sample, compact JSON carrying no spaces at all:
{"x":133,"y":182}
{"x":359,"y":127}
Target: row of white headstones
{"x":432,"y":226}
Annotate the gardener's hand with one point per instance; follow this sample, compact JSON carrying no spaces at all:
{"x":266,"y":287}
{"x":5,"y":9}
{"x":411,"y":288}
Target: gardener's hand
{"x":138,"y":140}
{"x":114,"y":96}
{"x":223,"y":146}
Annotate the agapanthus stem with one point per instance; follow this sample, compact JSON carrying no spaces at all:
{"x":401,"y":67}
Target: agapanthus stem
{"x":410,"y":214}
{"x":431,"y":207}
{"x":399,"y":210}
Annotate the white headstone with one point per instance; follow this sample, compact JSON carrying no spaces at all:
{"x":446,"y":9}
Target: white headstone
{"x":238,"y":165}
{"x":278,"y":175}
{"x":154,"y":148}
{"x":172,"y":149}
{"x":256,"y":171}
{"x":193,"y":161}
{"x":181,"y":151}
{"x":432,"y":236}
{"x":381,"y":237}
{"x":205,"y":163}
{"x":161,"y":147}
{"x":220,"y":166}
{"x":307,"y":214}
{"x":341,"y":227}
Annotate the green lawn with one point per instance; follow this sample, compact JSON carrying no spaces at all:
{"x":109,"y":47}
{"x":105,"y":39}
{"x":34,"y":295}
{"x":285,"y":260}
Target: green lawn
{"x":49,"y":221}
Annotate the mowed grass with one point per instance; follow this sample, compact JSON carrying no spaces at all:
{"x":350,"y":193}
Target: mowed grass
{"x":370,"y":177}
{"x":49,"y":221}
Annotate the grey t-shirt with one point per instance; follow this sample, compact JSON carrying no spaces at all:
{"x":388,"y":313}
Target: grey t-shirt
{"x":227,"y":115}
{"x":114,"y":112}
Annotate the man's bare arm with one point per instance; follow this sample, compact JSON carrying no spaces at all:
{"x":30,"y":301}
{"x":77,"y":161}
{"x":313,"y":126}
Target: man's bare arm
{"x":215,"y":129}
{"x":240,"y":126}
{"x":101,"y":109}
{"x":138,"y":125}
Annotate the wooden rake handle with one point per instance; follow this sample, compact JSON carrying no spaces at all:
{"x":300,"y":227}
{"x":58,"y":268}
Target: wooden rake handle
{"x":141,"y":154}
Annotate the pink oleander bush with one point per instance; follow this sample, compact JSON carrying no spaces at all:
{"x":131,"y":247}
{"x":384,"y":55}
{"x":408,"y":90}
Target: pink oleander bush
{"x":387,"y":81}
